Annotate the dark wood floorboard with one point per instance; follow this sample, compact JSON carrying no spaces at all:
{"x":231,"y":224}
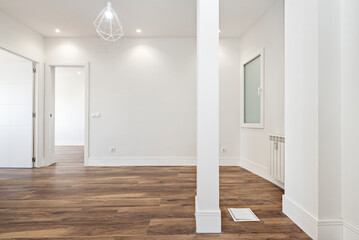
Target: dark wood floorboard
{"x":70,"y":201}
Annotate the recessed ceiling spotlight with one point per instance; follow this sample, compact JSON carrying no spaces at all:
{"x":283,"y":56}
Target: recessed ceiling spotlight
{"x":79,"y":72}
{"x":57,"y":30}
{"x":138,"y":30}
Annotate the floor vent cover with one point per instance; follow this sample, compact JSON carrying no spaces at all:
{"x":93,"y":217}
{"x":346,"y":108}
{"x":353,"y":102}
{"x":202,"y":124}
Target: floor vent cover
{"x":242,"y":215}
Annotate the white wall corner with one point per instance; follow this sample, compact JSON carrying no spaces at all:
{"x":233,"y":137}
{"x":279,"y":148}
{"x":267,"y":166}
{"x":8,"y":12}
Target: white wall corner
{"x":307,"y":222}
{"x":350,"y":232}
{"x":337,"y":229}
{"x":326,"y":229}
{"x":208,"y":221}
{"x":260,"y":171}
{"x":330,"y":229}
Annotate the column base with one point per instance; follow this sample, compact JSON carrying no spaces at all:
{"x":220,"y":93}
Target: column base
{"x":208,"y":221}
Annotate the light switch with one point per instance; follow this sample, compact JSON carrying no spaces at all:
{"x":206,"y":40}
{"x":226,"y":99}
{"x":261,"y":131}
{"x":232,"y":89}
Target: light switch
{"x":95,"y":115}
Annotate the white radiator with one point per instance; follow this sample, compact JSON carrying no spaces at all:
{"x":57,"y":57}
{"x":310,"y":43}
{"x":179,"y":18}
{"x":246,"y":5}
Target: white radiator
{"x":277,"y":157}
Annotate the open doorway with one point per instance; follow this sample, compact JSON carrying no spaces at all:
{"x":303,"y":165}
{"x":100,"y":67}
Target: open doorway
{"x":69,"y":114}
{"x":17,"y":111}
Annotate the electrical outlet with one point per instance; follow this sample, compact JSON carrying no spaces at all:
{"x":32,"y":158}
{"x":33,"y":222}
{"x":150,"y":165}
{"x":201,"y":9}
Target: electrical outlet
{"x":112,"y":149}
{"x":223,"y":149}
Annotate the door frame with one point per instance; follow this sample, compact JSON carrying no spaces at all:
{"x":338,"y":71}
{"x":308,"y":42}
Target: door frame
{"x":35,"y":106}
{"x":50,"y":108}
{"x":35,"y":114}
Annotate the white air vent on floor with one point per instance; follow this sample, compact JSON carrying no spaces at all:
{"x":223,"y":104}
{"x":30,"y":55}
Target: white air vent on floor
{"x":242,"y":215}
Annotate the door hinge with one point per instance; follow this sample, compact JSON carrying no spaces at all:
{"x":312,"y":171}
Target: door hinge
{"x":34,"y":114}
{"x":34,"y":70}
{"x":33,"y":159}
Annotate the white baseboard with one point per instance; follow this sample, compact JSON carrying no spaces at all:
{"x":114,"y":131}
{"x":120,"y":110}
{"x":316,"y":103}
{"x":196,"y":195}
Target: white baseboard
{"x":307,"y":222}
{"x":330,"y":229}
{"x":141,"y":161}
{"x":69,"y":143}
{"x":327,"y":229}
{"x":154,"y":161}
{"x":180,"y":161}
{"x":260,"y":171}
{"x":350,"y":232}
{"x":208,"y":221}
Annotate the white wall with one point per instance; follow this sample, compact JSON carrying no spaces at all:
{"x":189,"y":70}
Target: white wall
{"x":321,"y":193}
{"x":301,"y":109}
{"x":267,"y":33}
{"x":69,"y":106}
{"x":22,"y":40}
{"x":145,"y":90}
{"x":350,"y":117}
{"x":229,"y":99}
{"x":329,"y":110}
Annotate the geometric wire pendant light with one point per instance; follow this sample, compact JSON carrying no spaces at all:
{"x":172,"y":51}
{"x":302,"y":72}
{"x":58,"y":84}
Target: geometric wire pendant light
{"x":107,"y":24}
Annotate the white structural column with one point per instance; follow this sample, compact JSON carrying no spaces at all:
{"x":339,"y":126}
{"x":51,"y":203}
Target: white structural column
{"x":208,"y":214}
{"x":313,"y":117}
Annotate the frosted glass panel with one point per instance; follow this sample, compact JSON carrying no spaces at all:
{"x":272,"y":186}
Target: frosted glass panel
{"x":252,"y":82}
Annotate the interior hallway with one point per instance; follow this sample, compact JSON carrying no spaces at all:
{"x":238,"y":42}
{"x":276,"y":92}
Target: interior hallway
{"x":70,"y":201}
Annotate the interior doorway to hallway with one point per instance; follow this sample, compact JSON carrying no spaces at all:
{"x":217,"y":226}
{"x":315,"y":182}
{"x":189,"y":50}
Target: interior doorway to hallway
{"x":69,"y":114}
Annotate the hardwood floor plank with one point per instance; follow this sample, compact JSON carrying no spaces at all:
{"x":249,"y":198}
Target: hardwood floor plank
{"x":70,"y":201}
{"x":169,"y":226}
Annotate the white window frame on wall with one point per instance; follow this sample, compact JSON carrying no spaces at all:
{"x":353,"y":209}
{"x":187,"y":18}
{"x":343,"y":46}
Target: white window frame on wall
{"x":244,"y":61}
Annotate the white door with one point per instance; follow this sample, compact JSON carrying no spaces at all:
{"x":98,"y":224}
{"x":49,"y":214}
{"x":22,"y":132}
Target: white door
{"x":16,"y":107}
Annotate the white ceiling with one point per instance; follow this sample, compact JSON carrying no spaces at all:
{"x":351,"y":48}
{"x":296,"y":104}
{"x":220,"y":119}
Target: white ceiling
{"x":156,"y":18}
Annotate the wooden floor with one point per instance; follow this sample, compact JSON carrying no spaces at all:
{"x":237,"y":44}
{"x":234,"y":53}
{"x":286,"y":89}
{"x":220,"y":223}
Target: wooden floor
{"x":69,"y":201}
